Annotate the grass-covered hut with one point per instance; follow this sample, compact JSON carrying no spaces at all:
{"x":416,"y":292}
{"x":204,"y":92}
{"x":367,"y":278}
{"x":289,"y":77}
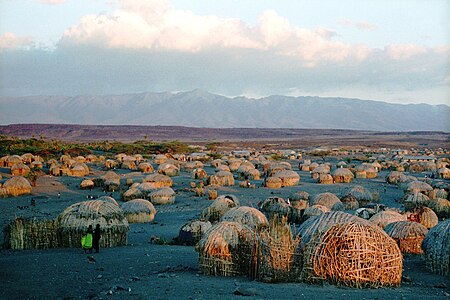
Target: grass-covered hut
{"x":329,"y":200}
{"x":139,"y":211}
{"x":164,"y":195}
{"x":408,"y":235}
{"x":20,"y":169}
{"x":383,"y":218}
{"x":159,"y":180}
{"x":192,"y":232}
{"x":33,"y":233}
{"x":288,"y":177}
{"x":247,"y":216}
{"x":15,"y":186}
{"x":221,"y":178}
{"x":343,"y":175}
{"x":436,"y":246}
{"x":219,"y":207}
{"x":74,"y":221}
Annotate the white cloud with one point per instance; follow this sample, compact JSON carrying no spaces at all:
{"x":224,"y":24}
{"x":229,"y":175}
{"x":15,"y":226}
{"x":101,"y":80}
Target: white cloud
{"x":156,"y":25}
{"x":10,"y":41}
{"x":404,"y":51}
{"x":361,"y":25}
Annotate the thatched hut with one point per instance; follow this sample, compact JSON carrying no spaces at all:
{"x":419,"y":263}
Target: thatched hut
{"x":20,"y":169}
{"x":361,"y":194}
{"x":408,"y":235}
{"x":222,"y":178}
{"x":139,"y":211}
{"x":418,"y":186}
{"x":78,"y":170}
{"x":247,"y":216}
{"x":132,"y":193}
{"x":325,"y":179}
{"x":13,"y":160}
{"x":31,"y":234}
{"x":288,"y":177}
{"x":276,"y":206}
{"x":15,"y":186}
{"x":216,"y":162}
{"x":427,"y":217}
{"x":219,"y":207}
{"x":415,"y":200}
{"x":329,"y":200}
{"x":111,"y":181}
{"x":353,"y":254}
{"x":223,"y":168}
{"x":300,"y":195}
{"x":55,"y":170}
{"x":146,"y":187}
{"x":199,"y":173}
{"x":168,"y":169}
{"x":383,"y":218}
{"x":279,"y":258}
{"x":436,"y":246}
{"x":192,"y":232}
{"x":159,"y":180}
{"x":111,"y":164}
{"x":343,"y":175}
{"x":443,"y":173}
{"x":86,"y":184}
{"x":438,"y":193}
{"x":321,"y":169}
{"x":36,"y":165}
{"x":75,"y":219}
{"x":145,"y":167}
{"x":441,"y":207}
{"x":273,"y":183}
{"x":160,"y":159}
{"x":108,"y":199}
{"x":224,"y":250}
{"x":314,"y":210}
{"x":394,"y":177}
{"x":164,"y":195}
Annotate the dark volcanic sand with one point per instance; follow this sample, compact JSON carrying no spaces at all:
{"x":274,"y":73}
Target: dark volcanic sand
{"x":142,"y":270}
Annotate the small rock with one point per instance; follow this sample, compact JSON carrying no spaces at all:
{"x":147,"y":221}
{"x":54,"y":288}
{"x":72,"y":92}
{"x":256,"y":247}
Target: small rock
{"x":99,"y":276}
{"x":135,"y":278}
{"x":406,"y":278}
{"x":110,"y":292}
{"x":163,"y":275}
{"x":245,"y":291}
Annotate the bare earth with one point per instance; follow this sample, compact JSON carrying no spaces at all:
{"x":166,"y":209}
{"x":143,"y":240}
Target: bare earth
{"x":142,"y":270}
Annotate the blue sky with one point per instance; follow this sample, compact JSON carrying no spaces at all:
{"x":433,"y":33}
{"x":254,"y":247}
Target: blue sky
{"x":395,"y":51}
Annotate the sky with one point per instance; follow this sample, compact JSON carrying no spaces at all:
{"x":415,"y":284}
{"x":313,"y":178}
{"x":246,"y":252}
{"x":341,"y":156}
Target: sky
{"x":393,"y":51}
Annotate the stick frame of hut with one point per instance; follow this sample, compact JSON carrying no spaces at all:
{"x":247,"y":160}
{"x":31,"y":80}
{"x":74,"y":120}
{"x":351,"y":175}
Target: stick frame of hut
{"x":23,"y":233}
{"x":436,"y":246}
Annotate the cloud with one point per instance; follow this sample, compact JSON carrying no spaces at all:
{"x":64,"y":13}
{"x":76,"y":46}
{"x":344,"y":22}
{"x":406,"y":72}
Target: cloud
{"x":10,"y":41}
{"x":157,"y":25}
{"x":361,"y":25}
{"x":53,"y":2}
{"x":404,"y":51}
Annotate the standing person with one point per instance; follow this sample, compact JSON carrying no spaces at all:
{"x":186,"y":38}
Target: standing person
{"x":86,"y":240}
{"x":96,"y":238}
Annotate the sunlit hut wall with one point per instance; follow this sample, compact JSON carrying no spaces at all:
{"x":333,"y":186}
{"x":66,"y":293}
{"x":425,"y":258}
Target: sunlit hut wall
{"x":74,"y":221}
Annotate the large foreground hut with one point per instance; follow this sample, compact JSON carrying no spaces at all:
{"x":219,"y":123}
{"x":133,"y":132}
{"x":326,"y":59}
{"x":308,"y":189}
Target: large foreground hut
{"x":353,"y":254}
{"x":139,"y":211}
{"x":436,"y":246}
{"x":224,"y":250}
{"x":74,"y":221}
{"x":408,"y":235}
{"x":15,"y":186}
{"x":247,"y":216}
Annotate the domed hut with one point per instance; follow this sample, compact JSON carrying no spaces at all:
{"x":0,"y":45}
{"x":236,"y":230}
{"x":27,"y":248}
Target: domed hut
{"x":417,"y":186}
{"x":353,"y":254}
{"x":361,"y":194}
{"x":443,"y":173}
{"x":15,"y":186}
{"x":86,"y":184}
{"x":164,"y":195}
{"x":192,"y":232}
{"x":426,"y":216}
{"x":322,"y":169}
{"x":247,"y":216}
{"x":441,"y":207}
{"x":55,"y":170}
{"x":314,"y":210}
{"x":394,"y":177}
{"x":219,"y":207}
{"x":199,"y":173}
{"x":20,"y":169}
{"x":132,"y":193}
{"x":329,"y":200}
{"x":168,"y":169}
{"x":160,"y":159}
{"x":108,"y":199}
{"x":111,"y":164}
{"x":325,"y":179}
{"x":273,"y":183}
{"x":415,"y":200}
{"x":146,"y":187}
{"x":224,"y":250}
{"x":222,"y":178}
{"x":408,"y":235}
{"x":13,"y":160}
{"x":383,"y":218}
{"x":288,"y":177}
{"x":74,"y":221}
{"x":145,"y":167}
{"x":139,"y":211}
{"x":343,"y":175}
{"x":111,"y":181}
{"x":276,"y":206}
{"x":436,"y":246}
{"x":159,"y":180}
{"x":78,"y":170}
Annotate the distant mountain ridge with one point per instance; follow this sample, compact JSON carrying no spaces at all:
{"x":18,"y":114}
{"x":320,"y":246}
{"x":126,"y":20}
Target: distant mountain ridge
{"x":201,"y":109}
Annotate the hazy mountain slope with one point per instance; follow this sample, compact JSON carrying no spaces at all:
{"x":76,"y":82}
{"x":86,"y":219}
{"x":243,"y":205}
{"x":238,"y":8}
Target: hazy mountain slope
{"x":202,"y":109}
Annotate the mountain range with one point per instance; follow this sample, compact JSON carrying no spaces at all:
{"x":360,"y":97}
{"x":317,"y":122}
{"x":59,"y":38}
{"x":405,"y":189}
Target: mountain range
{"x":202,"y":109}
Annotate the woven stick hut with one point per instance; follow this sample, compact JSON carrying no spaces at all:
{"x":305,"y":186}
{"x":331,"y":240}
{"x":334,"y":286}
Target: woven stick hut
{"x":20,"y":169}
{"x":111,"y":181}
{"x":145,"y":167}
{"x":139,"y":211}
{"x":361,"y":194}
{"x":164,"y":195}
{"x":415,"y":200}
{"x":441,"y":207}
{"x":343,"y":175}
{"x":192,"y":232}
{"x":436,"y":246}
{"x":314,"y":210}
{"x":108,"y":199}
{"x":353,"y":254}
{"x":427,"y":217}
{"x":276,"y":206}
{"x":247,"y":216}
{"x":74,"y":221}
{"x":159,"y":180}
{"x":31,"y":234}
{"x":288,"y":177}
{"x":273,"y":183}
{"x":278,"y":255}
{"x":224,"y":250}
{"x":408,"y":235}
{"x":169,"y":169}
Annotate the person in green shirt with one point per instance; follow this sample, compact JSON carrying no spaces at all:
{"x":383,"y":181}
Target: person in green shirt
{"x":86,"y":240}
